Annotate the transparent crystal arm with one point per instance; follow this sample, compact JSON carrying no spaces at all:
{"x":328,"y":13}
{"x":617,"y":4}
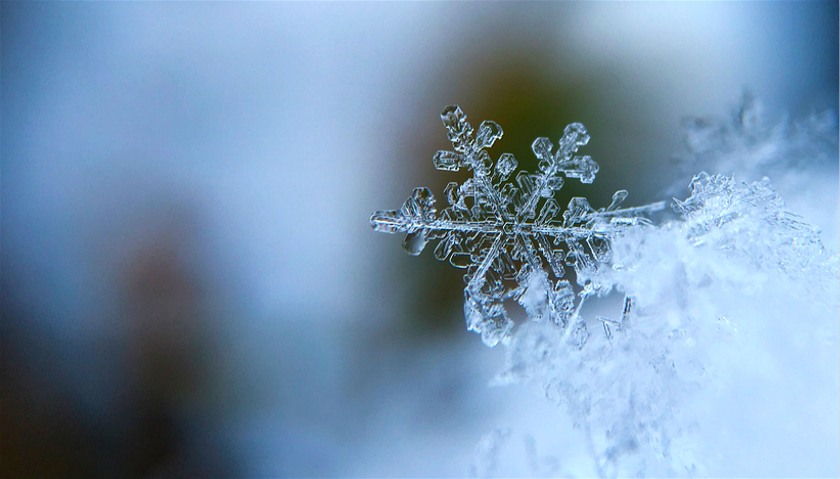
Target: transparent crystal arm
{"x":552,"y":164}
{"x":532,"y":259}
{"x":394,"y":222}
{"x":635,"y":211}
{"x":469,"y":149}
{"x":492,"y":194}
{"x":478,"y":279}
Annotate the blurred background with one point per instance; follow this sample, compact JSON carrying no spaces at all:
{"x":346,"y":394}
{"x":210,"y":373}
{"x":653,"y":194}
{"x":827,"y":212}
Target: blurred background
{"x":190,"y":284}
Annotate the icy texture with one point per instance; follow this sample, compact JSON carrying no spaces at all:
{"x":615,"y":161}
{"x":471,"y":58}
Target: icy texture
{"x":734,"y":260}
{"x":800,"y":156}
{"x":750,"y":221}
{"x":511,"y":235}
{"x":728,"y":311}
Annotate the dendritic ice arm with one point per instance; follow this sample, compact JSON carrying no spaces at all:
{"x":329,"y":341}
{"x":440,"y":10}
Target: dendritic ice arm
{"x":511,"y":236}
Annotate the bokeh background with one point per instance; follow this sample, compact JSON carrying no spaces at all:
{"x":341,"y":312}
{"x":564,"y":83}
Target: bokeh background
{"x":190,"y":285}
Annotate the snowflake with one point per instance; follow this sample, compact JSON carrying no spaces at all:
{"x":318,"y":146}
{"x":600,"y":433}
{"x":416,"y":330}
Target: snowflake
{"x":716,"y":295}
{"x":503,"y":232}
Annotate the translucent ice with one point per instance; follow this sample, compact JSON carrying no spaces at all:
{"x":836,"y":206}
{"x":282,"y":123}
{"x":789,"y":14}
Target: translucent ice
{"x":734,"y":270}
{"x":514,"y":239}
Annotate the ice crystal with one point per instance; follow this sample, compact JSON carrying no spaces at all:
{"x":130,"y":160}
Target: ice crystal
{"x":512,"y":236}
{"x":712,"y":298}
{"x":736,"y":269}
{"x":750,"y":220}
{"x":734,"y":259}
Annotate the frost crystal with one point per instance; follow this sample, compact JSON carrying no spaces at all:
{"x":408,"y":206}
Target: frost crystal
{"x":511,"y":236}
{"x":712,"y":299}
{"x":750,"y":220}
{"x":732,"y":278}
